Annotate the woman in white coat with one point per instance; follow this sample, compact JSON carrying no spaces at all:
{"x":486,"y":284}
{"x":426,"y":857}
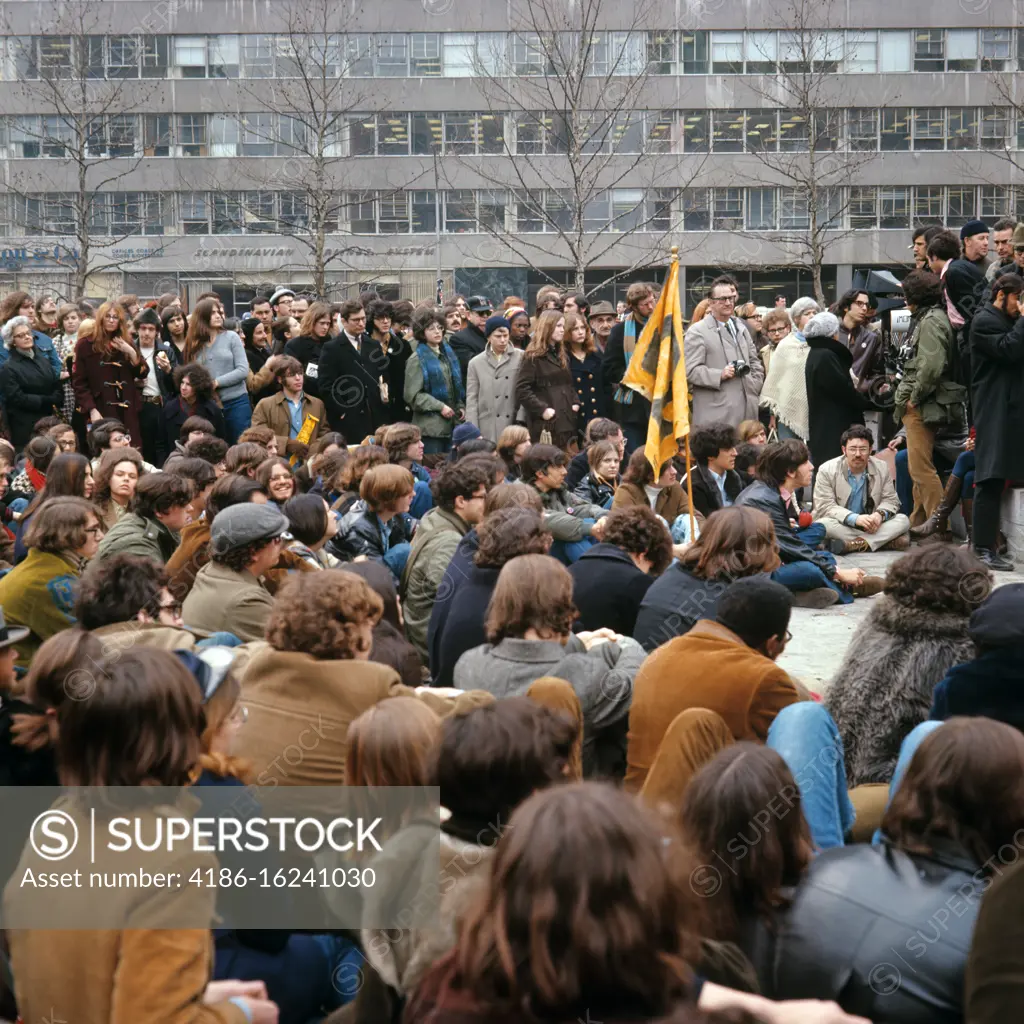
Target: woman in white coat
{"x":491,"y":381}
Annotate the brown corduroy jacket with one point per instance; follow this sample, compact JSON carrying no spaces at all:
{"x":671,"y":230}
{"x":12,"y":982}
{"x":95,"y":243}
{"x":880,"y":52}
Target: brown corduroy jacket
{"x":709,"y":667}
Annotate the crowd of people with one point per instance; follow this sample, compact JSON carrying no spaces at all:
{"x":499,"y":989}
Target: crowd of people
{"x":433,"y":534}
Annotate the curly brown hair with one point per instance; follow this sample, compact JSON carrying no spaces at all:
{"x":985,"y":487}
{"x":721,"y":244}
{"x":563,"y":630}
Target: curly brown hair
{"x":638,"y":531}
{"x":939,"y":578}
{"x":532,"y":592}
{"x":319,"y":613}
{"x":237,"y":559}
{"x":508,"y":533}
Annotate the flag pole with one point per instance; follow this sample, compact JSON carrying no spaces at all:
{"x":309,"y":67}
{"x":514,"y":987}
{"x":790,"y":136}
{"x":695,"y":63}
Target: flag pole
{"x":686,"y":445}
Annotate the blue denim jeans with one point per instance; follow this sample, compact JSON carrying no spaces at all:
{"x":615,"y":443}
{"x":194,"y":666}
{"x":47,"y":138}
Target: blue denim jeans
{"x":964,"y":468}
{"x":568,"y":551}
{"x":422,"y":499}
{"x":396,"y":556}
{"x":800,"y":576}
{"x":237,"y":417}
{"x":813,"y":536}
{"x":807,"y":739}
{"x":437,"y":445}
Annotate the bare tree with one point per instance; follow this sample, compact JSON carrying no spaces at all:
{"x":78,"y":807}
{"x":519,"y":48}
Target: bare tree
{"x":589,"y":170}
{"x":806,"y":152}
{"x":80,"y":80}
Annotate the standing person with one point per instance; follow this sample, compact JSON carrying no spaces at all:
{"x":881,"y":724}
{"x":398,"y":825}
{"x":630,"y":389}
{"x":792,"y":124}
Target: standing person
{"x":855,"y":497}
{"x":194,"y":387}
{"x":223,"y":354}
{"x":627,"y":407}
{"x":28,"y":385}
{"x":46,"y":316}
{"x":865,"y":345}
{"x":281,"y":303}
{"x":963,"y":284}
{"x":64,"y":340}
{"x":776,"y":326}
{"x":157,"y":386}
{"x":387,"y":355}
{"x":109,"y":371}
{"x":784,"y":393}
{"x":173,"y":329}
{"x":349,"y":387}
{"x":833,"y":401}
{"x":927,"y":398}
{"x":602,"y":319}
{"x":587,"y":369}
{"x":1002,"y":239}
{"x":314,"y":331}
{"x":471,"y":340}
{"x":519,"y":327}
{"x":434,"y":387}
{"x":722,"y":367}
{"x":997,"y":347}
{"x":22,"y":304}
{"x":974,"y":238}
{"x":491,"y":383}
{"x":259,"y":350}
{"x":287,"y":411}
{"x":544,"y":386}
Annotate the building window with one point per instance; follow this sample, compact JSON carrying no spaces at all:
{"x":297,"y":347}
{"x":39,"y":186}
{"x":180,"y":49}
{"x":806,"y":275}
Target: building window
{"x":392,"y":58}
{"x":460,"y":133}
{"x":190,"y":56}
{"x":394,"y":213}
{"x":627,"y":210}
{"x":862,"y":129}
{"x":54,"y":58}
{"x":156,"y":56}
{"x":928,"y":204}
{"x":530,"y":211}
{"x":995,"y":202}
{"x":762,"y":131}
{"x":658,"y":216}
{"x":894,"y":207}
{"x":995,"y":49}
{"x":258,"y":134}
{"x":995,"y":127}
{"x":194,"y":210}
{"x":695,"y":131}
{"x":896,"y":128}
{"x":962,"y":49}
{"x":929,"y":50}
{"x":929,"y":128}
{"x":362,"y":134}
{"x":794,"y":132}
{"x":660,"y":131}
{"x":761,"y":213}
{"x":123,"y":57}
{"x":894,"y":50}
{"x":861,"y":52}
{"x":157,"y":138}
{"x":528,"y":56}
{"x":661,"y":53}
{"x":727,"y":211}
{"x":962,"y":131}
{"x":492,"y":203}
{"x":728,"y":130}
{"x":192,"y":134}
{"x":228,"y":213}
{"x":863,"y":207}
{"x":459,"y":55}
{"x":727,"y":53}
{"x":362,"y":218}
{"x":424,"y":211}
{"x":794,"y":213}
{"x":225,"y":57}
{"x":392,"y":135}
{"x":460,"y":211}
{"x":425,"y":54}
{"x":694,"y":47}
{"x":761,"y":50}
{"x":696,"y":209}
{"x":258,"y":56}
{"x":960,"y":205}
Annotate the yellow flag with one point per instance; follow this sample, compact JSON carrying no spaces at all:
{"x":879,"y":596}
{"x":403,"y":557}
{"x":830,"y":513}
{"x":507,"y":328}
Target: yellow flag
{"x":657,"y":370}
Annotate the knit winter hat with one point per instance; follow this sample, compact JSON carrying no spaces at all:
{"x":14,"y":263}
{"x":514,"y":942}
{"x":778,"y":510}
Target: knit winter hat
{"x":493,"y":323}
{"x":822,"y":325}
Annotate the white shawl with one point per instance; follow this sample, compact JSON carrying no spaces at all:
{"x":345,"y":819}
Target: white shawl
{"x":785,"y":388}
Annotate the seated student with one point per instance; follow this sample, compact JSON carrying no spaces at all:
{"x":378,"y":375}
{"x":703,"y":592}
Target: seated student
{"x":312,"y":525}
{"x":813,"y":575}
{"x":503,"y":535}
{"x":316,"y":677}
{"x":623,"y":957}
{"x":598,"y":486}
{"x":117,"y":477}
{"x":201,"y":475}
{"x":663,"y":494}
{"x":945,"y":837}
{"x":504,"y":495}
{"x":598,"y":429}
{"x":344,"y":474}
{"x":913,"y":634}
{"x":228,"y":595}
{"x":39,"y":453}
{"x":991,"y":684}
{"x":193,"y":550}
{"x":263,"y":436}
{"x":195,"y":428}
{"x":375,"y":526}
{"x":486,"y":762}
{"x":734,"y":543}
{"x":460,"y":490}
{"x":611,"y":579}
{"x":124,"y":600}
{"x":855,"y":498}
{"x":715,"y":484}
{"x":404,"y":445}
{"x":529,"y":629}
{"x":747,"y":455}
{"x":213,"y":449}
{"x":274,"y":475}
{"x":40,"y":592}
{"x":195,"y":398}
{"x":287,"y":412}
{"x":725,"y":664}
{"x":68,"y":474}
{"x":139,"y":726}
{"x":245,"y":459}
{"x":163,"y":508}
{"x":575,"y":525}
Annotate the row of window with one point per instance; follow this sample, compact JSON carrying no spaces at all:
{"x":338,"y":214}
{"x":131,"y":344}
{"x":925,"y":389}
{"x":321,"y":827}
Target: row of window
{"x":461,"y":211}
{"x":859,"y":129}
{"x":468,"y":54}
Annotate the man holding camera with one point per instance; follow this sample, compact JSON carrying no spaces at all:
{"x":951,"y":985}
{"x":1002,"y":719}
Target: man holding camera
{"x":722,"y":367}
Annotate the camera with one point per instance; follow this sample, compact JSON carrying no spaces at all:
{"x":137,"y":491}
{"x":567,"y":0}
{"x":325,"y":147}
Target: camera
{"x":740,"y":367}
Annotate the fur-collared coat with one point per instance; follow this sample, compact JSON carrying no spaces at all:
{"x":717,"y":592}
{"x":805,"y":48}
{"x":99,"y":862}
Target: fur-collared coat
{"x":884,"y":687}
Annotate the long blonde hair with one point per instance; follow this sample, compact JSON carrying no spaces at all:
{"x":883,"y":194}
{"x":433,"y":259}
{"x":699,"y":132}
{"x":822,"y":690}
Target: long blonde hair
{"x":541,"y":340}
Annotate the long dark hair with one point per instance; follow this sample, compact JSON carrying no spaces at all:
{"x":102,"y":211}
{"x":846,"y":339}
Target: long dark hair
{"x":734,"y":542}
{"x":168,"y":314}
{"x":200,"y":333}
{"x":65,"y":476}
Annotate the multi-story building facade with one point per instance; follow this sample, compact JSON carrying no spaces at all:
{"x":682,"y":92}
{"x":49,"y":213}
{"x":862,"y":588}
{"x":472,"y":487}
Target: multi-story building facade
{"x":178,"y":154}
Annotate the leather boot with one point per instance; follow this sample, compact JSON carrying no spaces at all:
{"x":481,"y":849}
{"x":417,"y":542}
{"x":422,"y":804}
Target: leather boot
{"x":940,"y":518}
{"x":967,"y":507}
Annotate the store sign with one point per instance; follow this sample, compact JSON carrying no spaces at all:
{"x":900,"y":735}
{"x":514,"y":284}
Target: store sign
{"x":35,"y":257}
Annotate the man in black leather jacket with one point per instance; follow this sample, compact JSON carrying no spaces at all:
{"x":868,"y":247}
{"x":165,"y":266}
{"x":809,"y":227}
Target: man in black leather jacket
{"x":813,"y":575}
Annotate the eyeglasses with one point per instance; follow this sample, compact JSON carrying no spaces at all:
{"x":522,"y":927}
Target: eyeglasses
{"x":861,"y":302}
{"x":778,"y":330}
{"x":174,"y":608}
{"x":66,"y":446}
{"x":121,"y":437}
{"x":731,"y":299}
{"x":787,"y":637}
{"x":96,"y":529}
